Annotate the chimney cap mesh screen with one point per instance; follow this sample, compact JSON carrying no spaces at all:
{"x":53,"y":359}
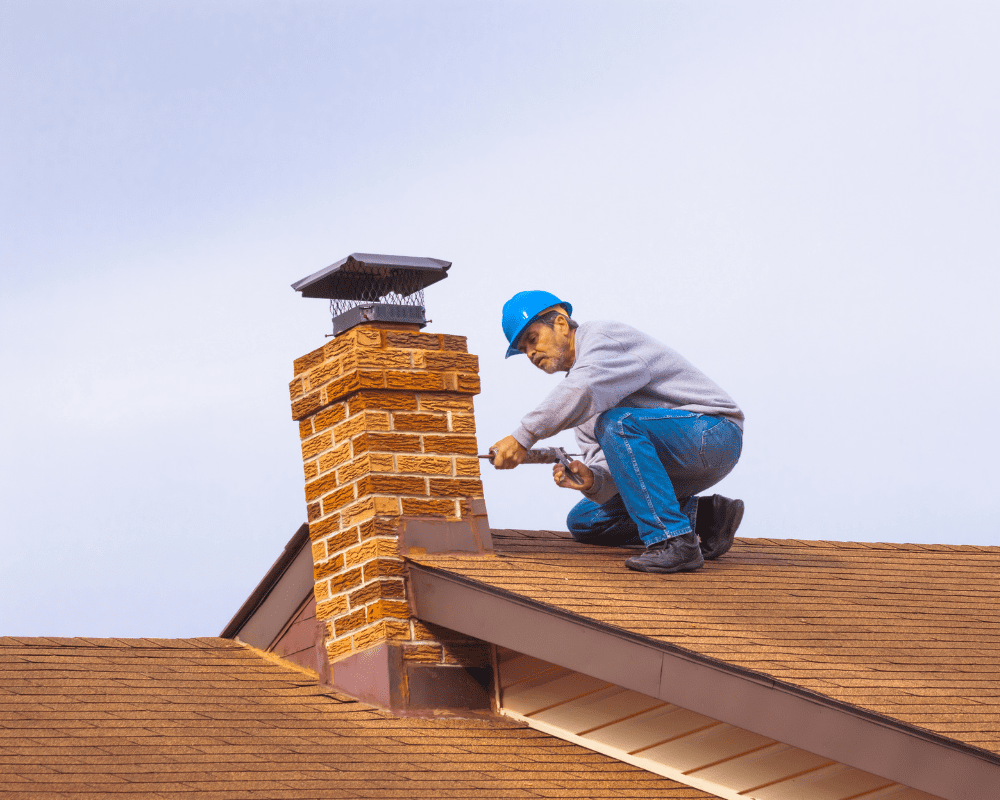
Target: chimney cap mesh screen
{"x":366,"y":286}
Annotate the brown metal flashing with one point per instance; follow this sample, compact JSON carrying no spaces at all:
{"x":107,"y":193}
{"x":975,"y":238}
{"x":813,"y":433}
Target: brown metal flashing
{"x":277,"y":597}
{"x":381,"y":676}
{"x":471,"y":534}
{"x":750,"y":700}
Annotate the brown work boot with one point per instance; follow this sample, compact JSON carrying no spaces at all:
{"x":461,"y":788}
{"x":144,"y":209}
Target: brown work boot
{"x":678,"y":554}
{"x":717,"y":521}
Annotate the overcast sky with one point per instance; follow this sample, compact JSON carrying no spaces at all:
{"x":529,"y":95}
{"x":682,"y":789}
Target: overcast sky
{"x":802,"y":198}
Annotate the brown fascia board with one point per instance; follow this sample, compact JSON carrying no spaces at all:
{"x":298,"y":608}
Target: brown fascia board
{"x":750,"y":700}
{"x":277,"y":597}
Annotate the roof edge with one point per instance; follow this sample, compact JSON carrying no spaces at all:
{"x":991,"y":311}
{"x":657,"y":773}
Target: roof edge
{"x":751,"y":700}
{"x":267,"y":583}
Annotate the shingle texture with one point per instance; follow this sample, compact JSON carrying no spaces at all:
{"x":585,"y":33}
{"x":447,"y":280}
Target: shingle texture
{"x":212,"y":719}
{"x":908,"y":631}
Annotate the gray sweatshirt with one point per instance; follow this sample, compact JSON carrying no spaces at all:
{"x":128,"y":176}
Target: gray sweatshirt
{"x":617,"y":366}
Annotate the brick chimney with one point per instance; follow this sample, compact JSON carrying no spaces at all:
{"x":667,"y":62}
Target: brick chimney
{"x":386,"y":420}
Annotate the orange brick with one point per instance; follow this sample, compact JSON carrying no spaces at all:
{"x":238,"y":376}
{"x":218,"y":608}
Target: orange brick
{"x":329,"y":609}
{"x":426,"y":632}
{"x":320,"y":486}
{"x":384,"y":568}
{"x":371,"y":379}
{"x":379,"y":526}
{"x":310,"y":469}
{"x":318,"y":551}
{"x":325,"y":569}
{"x":386,"y":442}
{"x":382,"y":400}
{"x":342,"y":386}
{"x":321,"y":590}
{"x":315,"y":445}
{"x":425,"y":465}
{"x":386,"y":630}
{"x":370,"y":636}
{"x":473,"y":654}
{"x":334,"y":458}
{"x":463,"y":423}
{"x":369,"y":507}
{"x":414,"y":381}
{"x":365,"y":421}
{"x":359,"y":511}
{"x":349,"y":622}
{"x":422,"y":632}
{"x":444,"y":402}
{"x":449,"y":444}
{"x":412,"y":341}
{"x":296,"y":388}
{"x":344,"y":343}
{"x":381,"y":462}
{"x":420,"y":423}
{"x":346,"y":580}
{"x":306,"y":405}
{"x":460,"y":362}
{"x":337,"y":499}
{"x":469,"y":382}
{"x":339,"y":648}
{"x":467,"y":467}
{"x":381,"y":609}
{"x":376,"y":590}
{"x":341,"y":541}
{"x":324,"y":527}
{"x":456,"y":487}
{"x":427,"y":653}
{"x":415,"y":507}
{"x":309,"y":360}
{"x":354,"y":469}
{"x":370,"y":549}
{"x":391,"y":484}
{"x":369,"y":335}
{"x":329,"y":417}
{"x":385,"y":359}
{"x":314,"y":511}
{"x":457,"y":344}
{"x":306,"y":427}
{"x":351,"y":427}
{"x":324,"y":373}
{"x":396,"y":630}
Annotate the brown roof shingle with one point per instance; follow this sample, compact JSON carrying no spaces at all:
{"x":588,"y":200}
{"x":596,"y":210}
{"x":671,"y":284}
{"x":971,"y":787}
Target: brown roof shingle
{"x":213,"y":719}
{"x":908,"y":631}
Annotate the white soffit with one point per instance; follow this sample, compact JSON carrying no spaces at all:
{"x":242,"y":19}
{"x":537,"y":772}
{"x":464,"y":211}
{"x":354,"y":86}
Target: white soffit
{"x":668,"y":740}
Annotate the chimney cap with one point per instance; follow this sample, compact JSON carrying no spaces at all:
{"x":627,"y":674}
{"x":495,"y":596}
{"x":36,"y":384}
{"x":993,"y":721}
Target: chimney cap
{"x":379,"y":275}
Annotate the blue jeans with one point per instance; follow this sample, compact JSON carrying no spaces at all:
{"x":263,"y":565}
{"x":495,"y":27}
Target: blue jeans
{"x":660,"y":458}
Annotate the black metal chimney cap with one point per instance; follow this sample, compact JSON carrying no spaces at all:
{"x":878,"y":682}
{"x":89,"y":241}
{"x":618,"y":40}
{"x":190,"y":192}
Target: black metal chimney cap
{"x":379,"y":275}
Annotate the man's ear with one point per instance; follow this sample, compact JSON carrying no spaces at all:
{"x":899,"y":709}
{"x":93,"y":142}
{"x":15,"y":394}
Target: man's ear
{"x":562,"y":321}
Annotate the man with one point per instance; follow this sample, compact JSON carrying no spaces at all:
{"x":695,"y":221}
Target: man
{"x":654,"y":431}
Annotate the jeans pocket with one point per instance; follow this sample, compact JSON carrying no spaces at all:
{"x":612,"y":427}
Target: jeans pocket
{"x":721,"y":445}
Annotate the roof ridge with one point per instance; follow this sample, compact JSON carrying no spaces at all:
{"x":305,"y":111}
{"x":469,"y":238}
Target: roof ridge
{"x":521,"y":534}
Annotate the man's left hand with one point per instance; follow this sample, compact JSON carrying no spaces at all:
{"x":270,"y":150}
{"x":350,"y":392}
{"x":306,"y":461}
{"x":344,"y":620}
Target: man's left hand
{"x":578,"y":468}
{"x":509,"y":453}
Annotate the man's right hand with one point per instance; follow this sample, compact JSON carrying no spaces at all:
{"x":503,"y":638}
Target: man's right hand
{"x":578,"y":468}
{"x":508,"y":453}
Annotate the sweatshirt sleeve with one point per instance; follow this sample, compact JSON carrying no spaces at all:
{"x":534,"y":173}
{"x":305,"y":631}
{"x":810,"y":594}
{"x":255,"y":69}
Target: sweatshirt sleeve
{"x":603,"y":374}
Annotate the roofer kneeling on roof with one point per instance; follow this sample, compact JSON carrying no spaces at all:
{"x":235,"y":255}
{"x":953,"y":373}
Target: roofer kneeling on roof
{"x":654,"y":432}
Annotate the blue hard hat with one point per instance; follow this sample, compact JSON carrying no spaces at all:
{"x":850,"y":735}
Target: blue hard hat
{"x":520,"y":311}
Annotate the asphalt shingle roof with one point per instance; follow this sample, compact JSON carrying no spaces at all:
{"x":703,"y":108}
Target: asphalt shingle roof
{"x":908,"y":631}
{"x":216,"y":720}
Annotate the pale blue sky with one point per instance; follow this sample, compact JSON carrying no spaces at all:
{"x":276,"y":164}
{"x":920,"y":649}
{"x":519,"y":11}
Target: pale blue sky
{"x":802,"y":198}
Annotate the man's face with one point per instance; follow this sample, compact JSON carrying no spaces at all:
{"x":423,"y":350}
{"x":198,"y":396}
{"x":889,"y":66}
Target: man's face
{"x":550,"y":349}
